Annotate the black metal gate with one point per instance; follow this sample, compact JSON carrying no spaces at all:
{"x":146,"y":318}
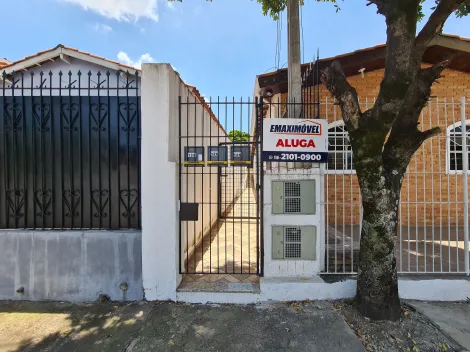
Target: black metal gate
{"x":220,"y":186}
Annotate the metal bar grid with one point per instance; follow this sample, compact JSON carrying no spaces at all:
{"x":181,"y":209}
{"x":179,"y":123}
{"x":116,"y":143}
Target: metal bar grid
{"x":62,"y":139}
{"x":432,"y":234}
{"x":225,"y":237}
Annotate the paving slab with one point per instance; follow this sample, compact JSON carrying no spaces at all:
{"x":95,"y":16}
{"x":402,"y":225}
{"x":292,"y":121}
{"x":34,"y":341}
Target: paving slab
{"x":267,"y":327}
{"x":453,"y":318}
{"x":164,"y":326}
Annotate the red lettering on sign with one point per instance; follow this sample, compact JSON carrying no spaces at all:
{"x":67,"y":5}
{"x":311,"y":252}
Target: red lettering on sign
{"x":294,"y":143}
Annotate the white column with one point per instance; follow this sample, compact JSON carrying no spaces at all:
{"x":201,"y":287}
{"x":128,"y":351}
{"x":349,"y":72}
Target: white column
{"x":160,"y":230}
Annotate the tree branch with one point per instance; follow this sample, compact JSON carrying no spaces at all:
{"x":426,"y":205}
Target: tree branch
{"x":435,"y":23}
{"x":405,"y":138}
{"x":400,"y":65}
{"x":335,"y":81}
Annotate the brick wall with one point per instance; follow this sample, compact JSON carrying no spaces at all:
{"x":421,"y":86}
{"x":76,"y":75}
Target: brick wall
{"x":430,"y":196}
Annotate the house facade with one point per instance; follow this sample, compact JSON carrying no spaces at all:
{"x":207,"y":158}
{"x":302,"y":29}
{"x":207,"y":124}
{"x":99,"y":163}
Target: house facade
{"x":432,"y":191}
{"x":71,"y":194}
{"x":124,"y":183}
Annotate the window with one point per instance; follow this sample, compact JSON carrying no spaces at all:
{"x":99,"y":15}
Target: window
{"x":340,"y":155}
{"x":455,"y":146}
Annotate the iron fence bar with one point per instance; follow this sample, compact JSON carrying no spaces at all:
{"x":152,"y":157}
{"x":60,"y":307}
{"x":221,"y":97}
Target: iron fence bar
{"x":219,"y":187}
{"x":180,"y":264}
{"x":260,"y":250}
{"x":53,"y":193}
{"x":456,"y":196}
{"x":249,"y":190}
{"x":4,"y":151}
{"x":139,"y":155}
{"x":225,"y":189}
{"x":33,"y":138}
{"x":432,"y":187}
{"x":110,"y":188}
{"x":118,"y":139}
{"x":440,"y":186}
{"x":465,"y":181}
{"x":448,"y":194}
{"x":202,"y":199}
{"x":127,"y":127}
{"x":90,"y":119}
{"x":233,"y":189}
{"x":187,"y":191}
{"x":71,"y":142}
{"x":25,"y":172}
{"x":210,"y":198}
{"x":80,"y":144}
{"x":13,"y":142}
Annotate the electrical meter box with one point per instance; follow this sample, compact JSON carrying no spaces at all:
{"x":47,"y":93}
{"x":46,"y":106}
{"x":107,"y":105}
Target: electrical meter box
{"x":240,"y":155}
{"x":193,"y":156}
{"x":294,"y":197}
{"x":217,"y":156}
{"x":294,"y":242}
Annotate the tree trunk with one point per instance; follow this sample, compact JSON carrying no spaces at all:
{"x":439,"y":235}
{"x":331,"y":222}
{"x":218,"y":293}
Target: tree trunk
{"x":377,"y":284}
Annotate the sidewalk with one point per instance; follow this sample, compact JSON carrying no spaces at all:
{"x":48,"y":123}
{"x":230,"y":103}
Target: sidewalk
{"x":173,"y":327}
{"x":452,"y":318}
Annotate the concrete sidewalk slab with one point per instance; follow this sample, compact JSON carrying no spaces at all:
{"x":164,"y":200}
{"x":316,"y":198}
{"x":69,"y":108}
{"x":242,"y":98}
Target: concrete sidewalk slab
{"x":266,"y":327}
{"x":162,"y":326}
{"x":453,"y":318}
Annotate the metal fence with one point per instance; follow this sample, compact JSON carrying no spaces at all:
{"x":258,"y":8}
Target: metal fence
{"x":433,"y":214}
{"x":221,"y":185}
{"x":70,"y":154}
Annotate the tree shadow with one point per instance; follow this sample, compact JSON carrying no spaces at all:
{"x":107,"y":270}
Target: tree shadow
{"x":52,"y":326}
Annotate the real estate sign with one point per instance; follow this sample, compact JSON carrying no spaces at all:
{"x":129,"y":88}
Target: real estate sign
{"x":295,"y":140}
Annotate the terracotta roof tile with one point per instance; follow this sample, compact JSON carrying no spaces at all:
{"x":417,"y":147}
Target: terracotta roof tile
{"x":360,"y":51}
{"x":72,"y":49}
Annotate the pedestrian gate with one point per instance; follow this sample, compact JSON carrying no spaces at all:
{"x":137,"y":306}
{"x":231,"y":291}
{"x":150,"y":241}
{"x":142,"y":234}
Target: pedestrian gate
{"x":220,"y":186}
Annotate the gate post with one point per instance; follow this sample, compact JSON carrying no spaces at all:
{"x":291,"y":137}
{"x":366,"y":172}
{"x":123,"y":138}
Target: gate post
{"x":160,"y":246}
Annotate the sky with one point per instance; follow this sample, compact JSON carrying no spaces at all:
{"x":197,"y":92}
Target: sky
{"x":217,"y":46}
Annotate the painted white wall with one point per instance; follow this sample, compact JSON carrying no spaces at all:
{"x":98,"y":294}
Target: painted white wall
{"x":293,"y":268}
{"x":315,"y":288}
{"x":85,"y":81}
{"x":160,"y":246}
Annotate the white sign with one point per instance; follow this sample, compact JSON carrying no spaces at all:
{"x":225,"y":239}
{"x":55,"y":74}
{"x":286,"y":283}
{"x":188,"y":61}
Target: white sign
{"x":295,"y":140}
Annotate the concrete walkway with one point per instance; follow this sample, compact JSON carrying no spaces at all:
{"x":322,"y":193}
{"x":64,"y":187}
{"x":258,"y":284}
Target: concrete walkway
{"x":174,"y":327}
{"x":452,"y":318}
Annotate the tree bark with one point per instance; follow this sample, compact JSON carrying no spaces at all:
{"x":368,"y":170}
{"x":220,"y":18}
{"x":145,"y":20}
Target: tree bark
{"x":377,"y":283}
